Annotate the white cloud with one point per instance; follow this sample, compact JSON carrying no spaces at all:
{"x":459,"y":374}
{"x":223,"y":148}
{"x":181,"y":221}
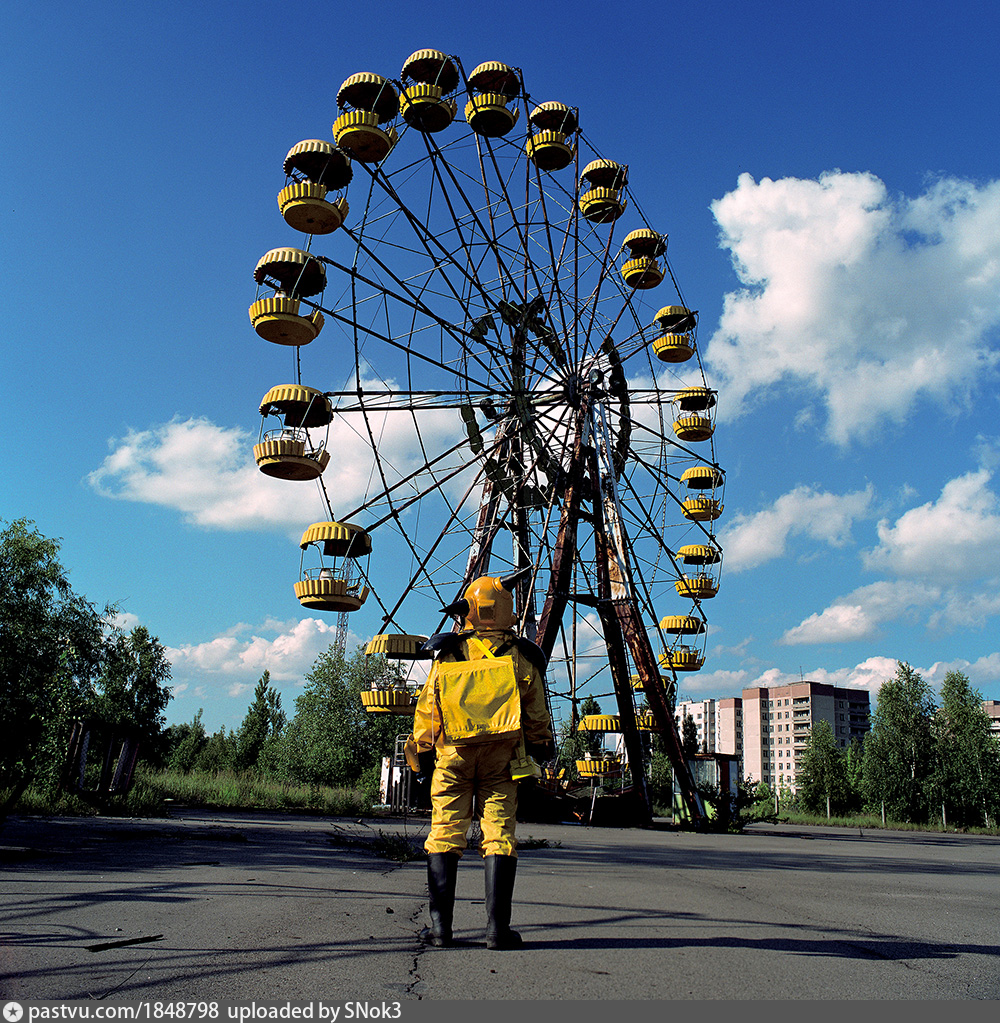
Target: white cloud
{"x":869,"y":674}
{"x":207,"y":472}
{"x":124,"y":621}
{"x":751,"y":540}
{"x":868,"y":301}
{"x":955,"y":538}
{"x":858,"y":615}
{"x":286,"y":649}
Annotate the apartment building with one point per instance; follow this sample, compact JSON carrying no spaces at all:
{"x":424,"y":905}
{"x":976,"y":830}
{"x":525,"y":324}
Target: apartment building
{"x":702,"y":712}
{"x":719,"y":724}
{"x":778,"y":720}
{"x":729,"y":727}
{"x":992,"y":710}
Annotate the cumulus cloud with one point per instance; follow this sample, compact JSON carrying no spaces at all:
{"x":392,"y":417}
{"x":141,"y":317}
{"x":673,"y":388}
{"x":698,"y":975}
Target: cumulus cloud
{"x":207,"y":471}
{"x":955,"y":538}
{"x":869,"y":674}
{"x":242,"y":654}
{"x":858,"y":615}
{"x":751,"y":540}
{"x":869,"y":302}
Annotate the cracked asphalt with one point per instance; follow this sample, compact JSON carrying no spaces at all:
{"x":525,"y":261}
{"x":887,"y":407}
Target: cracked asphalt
{"x":236,"y":907}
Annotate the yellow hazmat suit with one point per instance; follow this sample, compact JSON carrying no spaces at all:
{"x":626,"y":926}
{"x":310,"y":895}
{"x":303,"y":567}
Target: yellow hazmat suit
{"x":483,"y":702}
{"x":474,"y":714}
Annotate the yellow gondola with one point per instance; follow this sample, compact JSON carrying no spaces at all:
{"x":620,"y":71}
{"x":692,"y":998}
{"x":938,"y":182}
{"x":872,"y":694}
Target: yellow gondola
{"x":600,"y":723}
{"x":642,"y":271}
{"x":277,"y":319}
{"x":689,"y":425}
{"x":492,"y":88}
{"x":602,"y":202}
{"x":398,"y":646}
{"x":702,"y":584}
{"x":675,"y":344}
{"x":681,"y":656}
{"x":332,"y":588}
{"x":364,"y":129}
{"x":552,"y":124}
{"x":290,"y":453}
{"x":426,"y":104}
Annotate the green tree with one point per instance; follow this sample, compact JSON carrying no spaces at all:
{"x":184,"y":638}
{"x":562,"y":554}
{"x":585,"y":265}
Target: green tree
{"x":264,"y":722}
{"x":854,"y":767}
{"x":899,"y":749}
{"x":689,"y":736}
{"x":218,"y":752}
{"x":51,"y":644}
{"x":184,"y":743}
{"x":133,"y":691}
{"x":823,"y":784}
{"x":332,"y":740}
{"x":967,"y":773}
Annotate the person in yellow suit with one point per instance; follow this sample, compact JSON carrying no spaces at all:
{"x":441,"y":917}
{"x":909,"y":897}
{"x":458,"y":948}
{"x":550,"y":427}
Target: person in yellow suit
{"x":482,"y":707}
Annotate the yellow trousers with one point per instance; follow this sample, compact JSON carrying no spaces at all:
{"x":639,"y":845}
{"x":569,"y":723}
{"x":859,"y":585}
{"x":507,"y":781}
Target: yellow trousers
{"x":463,"y":773}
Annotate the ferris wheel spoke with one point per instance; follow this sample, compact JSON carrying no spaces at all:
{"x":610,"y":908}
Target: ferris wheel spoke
{"x":408,"y":299}
{"x":445,"y":257}
{"x":495,"y":246}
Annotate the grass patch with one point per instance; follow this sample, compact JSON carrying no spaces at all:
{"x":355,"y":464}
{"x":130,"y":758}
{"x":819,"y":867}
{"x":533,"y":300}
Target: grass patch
{"x":536,"y":843}
{"x":398,"y":848}
{"x":873,"y":822}
{"x":154,"y":792}
{"x":231,"y":790}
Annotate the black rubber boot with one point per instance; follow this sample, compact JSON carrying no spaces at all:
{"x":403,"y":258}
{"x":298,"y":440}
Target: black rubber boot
{"x":442,"y":872}
{"x":500,"y":871}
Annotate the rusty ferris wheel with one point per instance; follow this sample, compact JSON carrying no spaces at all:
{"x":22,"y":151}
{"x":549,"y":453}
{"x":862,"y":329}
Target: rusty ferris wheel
{"x":506,"y":338}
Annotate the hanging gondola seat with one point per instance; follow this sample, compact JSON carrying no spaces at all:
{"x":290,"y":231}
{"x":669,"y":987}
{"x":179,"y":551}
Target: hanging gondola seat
{"x":321,"y":162}
{"x":277,"y":319}
{"x":359,"y":134}
{"x":398,"y":646}
{"x":642,"y":273}
{"x":305,"y":208}
{"x":701,"y":509}
{"x":284,"y":453}
{"x":673,"y":347}
{"x":600,"y":723}
{"x":701,"y":585}
{"x":389,"y":701}
{"x":296,"y":271}
{"x":424,"y":107}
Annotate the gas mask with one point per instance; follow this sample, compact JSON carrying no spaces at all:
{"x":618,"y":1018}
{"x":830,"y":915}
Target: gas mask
{"x":488,"y":602}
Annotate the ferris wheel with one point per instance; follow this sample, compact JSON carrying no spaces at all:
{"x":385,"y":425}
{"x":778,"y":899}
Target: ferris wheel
{"x":499,"y":328}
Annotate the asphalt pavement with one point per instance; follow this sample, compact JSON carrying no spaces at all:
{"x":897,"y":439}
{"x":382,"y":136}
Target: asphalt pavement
{"x":232,"y":907}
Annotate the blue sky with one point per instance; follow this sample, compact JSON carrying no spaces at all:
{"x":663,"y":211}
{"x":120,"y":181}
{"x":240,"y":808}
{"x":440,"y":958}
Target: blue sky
{"x":828,"y":178}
